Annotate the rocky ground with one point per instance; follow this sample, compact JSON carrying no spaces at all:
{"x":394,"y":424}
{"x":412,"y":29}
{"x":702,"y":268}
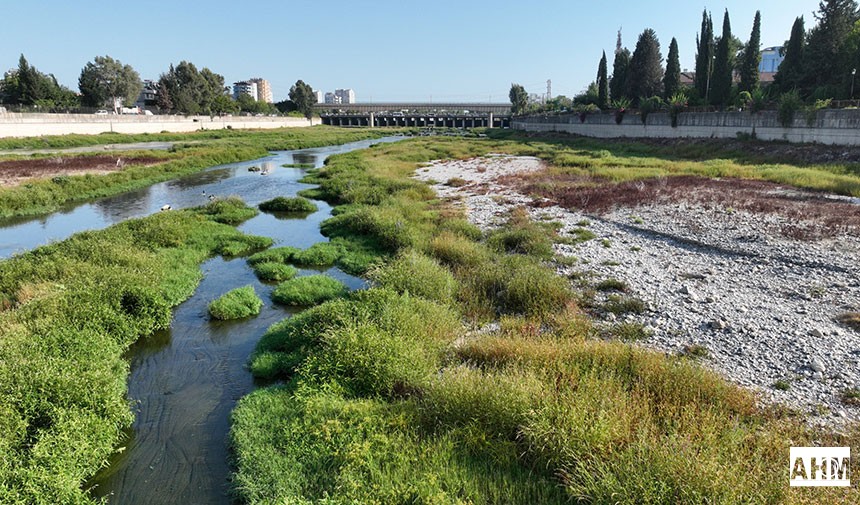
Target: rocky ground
{"x":760,"y":306}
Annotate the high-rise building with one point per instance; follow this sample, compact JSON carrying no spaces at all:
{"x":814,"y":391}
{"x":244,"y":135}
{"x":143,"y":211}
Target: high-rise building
{"x":264,"y":89}
{"x":346,"y":95}
{"x":245,"y":88}
{"x":319,"y":96}
{"x":332,"y":98}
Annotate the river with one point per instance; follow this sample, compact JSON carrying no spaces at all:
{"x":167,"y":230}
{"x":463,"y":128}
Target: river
{"x":185,"y":381}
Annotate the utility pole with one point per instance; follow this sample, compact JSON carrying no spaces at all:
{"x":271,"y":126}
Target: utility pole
{"x":548,"y":89}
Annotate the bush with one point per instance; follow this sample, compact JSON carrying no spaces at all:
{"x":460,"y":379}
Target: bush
{"x":649,"y":105}
{"x":275,"y":255}
{"x":284,"y":204}
{"x":416,"y":274}
{"x":236,"y":304}
{"x":310,"y":290}
{"x":320,"y":254}
{"x":456,"y":250}
{"x":231,"y":210}
{"x":239,"y":246}
{"x":271,"y":271}
{"x":788,"y":104}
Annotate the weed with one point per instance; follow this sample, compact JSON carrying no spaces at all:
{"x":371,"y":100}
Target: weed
{"x":606,"y":243}
{"x":285,"y":204}
{"x":612,"y":285}
{"x":236,"y":304}
{"x":851,"y":396}
{"x":624,"y":305}
{"x":696,"y":351}
{"x":319,"y":254}
{"x":310,"y":290}
{"x":456,"y":182}
{"x":412,"y":272}
{"x":782,"y":385}
{"x":629,"y":332}
{"x":275,"y":255}
{"x":230,"y":210}
{"x":272,"y":271}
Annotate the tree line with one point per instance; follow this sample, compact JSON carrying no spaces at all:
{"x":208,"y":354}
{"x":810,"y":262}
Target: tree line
{"x":107,"y":82}
{"x":819,"y":64}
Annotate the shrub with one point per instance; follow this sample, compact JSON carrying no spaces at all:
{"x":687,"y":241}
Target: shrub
{"x":787,"y":105}
{"x":611,"y":285}
{"x":414,"y":273}
{"x":456,"y":250}
{"x":236,"y":304}
{"x":624,"y":305}
{"x":456,"y":182}
{"x":649,"y":105}
{"x":319,"y":254}
{"x":310,"y":290}
{"x":272,"y":271}
{"x":239,"y":246}
{"x":284,"y":204}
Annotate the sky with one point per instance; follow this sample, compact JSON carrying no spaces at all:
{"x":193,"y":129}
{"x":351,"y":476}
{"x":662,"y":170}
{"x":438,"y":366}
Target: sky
{"x":385,"y":50}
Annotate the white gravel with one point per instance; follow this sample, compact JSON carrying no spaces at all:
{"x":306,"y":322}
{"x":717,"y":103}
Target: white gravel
{"x":762,"y":305}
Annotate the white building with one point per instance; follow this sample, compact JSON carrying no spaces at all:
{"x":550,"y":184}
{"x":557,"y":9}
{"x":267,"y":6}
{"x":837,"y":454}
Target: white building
{"x":319,"y":96}
{"x":346,"y":95}
{"x":331,"y":98}
{"x":245,"y":88}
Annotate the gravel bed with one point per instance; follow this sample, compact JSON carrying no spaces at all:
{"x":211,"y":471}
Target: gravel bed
{"x":762,"y":305}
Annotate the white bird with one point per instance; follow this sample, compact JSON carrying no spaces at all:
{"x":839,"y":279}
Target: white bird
{"x":165,"y":207}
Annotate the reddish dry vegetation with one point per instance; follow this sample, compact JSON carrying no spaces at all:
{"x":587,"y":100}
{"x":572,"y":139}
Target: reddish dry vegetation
{"x":810,"y":215}
{"x":14,"y":172}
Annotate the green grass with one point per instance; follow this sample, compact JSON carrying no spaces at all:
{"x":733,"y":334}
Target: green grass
{"x":390,"y":398}
{"x":309,"y":290}
{"x":273,"y":271}
{"x":231,"y":210}
{"x":68,"y":313}
{"x":274,"y":255}
{"x":285,"y":204}
{"x":236,"y":304}
{"x":320,"y":254}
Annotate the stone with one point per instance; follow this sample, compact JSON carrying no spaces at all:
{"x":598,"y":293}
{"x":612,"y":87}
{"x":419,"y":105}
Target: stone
{"x":816,"y":365}
{"x":816,"y":333}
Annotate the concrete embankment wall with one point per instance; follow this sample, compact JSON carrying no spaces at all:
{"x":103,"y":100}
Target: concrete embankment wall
{"x":840,"y":127}
{"x":33,"y":125}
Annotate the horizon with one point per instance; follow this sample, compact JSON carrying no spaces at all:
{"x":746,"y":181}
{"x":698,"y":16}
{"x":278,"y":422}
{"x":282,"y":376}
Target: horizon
{"x":459,"y":53}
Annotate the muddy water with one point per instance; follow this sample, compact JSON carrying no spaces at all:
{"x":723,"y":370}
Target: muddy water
{"x":185,"y":381}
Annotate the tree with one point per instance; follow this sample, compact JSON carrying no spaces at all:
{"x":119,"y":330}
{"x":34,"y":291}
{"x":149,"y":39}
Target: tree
{"x":28,"y":86}
{"x":751,"y":58}
{"x":162,"y":97}
{"x":190,"y":91}
{"x":602,"y":83}
{"x":672,"y":78}
{"x":303,"y":96}
{"x":828,"y":59}
{"x":519,"y":98}
{"x":721,"y":80}
{"x":704,"y":56}
{"x":790,"y":71}
{"x":620,"y":67}
{"x":107,"y":81}
{"x":645,"y":78}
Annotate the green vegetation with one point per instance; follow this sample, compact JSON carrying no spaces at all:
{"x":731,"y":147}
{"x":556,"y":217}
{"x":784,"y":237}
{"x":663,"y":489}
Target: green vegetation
{"x":274,"y":255}
{"x":380,"y":405}
{"x":230,"y":210}
{"x":285,"y":204}
{"x":213,"y":147}
{"x":236,"y":304}
{"x":272,"y":271}
{"x":68,"y":313}
{"x":321,"y":254}
{"x":310,"y":290}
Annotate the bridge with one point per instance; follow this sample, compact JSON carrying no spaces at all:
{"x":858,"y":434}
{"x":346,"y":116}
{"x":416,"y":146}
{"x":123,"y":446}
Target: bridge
{"x":420,"y":115}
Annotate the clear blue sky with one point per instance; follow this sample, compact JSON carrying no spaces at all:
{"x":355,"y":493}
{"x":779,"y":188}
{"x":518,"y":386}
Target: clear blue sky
{"x":395,"y":50}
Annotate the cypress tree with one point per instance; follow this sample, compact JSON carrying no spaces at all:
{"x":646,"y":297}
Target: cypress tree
{"x":790,"y":70}
{"x":645,"y":77}
{"x":752,"y":58}
{"x":672,"y":79}
{"x":602,"y":84}
{"x":721,"y":80}
{"x":620,"y":68}
{"x":704,"y":56}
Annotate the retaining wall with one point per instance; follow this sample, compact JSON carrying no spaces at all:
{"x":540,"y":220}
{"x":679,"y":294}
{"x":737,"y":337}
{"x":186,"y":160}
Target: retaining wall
{"x":33,"y":125}
{"x":840,"y":127}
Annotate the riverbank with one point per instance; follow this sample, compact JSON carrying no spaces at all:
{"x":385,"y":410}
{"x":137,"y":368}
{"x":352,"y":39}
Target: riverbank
{"x":41,"y":195}
{"x":473,"y":372}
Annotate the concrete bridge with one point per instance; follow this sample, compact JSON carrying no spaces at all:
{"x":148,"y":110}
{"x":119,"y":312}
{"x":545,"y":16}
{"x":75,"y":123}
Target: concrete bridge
{"x":419,"y":120}
{"x":405,"y":107}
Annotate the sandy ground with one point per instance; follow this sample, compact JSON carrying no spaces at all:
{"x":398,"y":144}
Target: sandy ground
{"x":762,"y":301}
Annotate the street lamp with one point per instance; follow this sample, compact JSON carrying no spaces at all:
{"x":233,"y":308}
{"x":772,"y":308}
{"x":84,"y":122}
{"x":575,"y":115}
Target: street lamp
{"x":853,"y":73}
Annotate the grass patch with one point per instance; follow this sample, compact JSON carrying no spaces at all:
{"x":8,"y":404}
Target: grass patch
{"x":413,"y":273}
{"x":272,"y":271}
{"x":309,"y":290}
{"x":298,"y":165}
{"x":619,"y":305}
{"x":274,"y":255}
{"x":285,"y":204}
{"x":850,"y":319}
{"x":236,"y":304}
{"x":231,"y":210}
{"x":320,"y":254}
{"x":696,"y":351}
{"x":456,"y":182}
{"x":782,"y":385}
{"x":612,"y":285}
{"x":630,"y":332}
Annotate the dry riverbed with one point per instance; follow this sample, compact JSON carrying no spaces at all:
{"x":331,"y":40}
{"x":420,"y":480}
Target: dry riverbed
{"x":752,"y":276}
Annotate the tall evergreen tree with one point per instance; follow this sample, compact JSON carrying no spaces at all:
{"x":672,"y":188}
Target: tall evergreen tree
{"x":645,"y":78}
{"x":721,"y":80}
{"x":602,"y":83}
{"x":672,"y":79}
{"x":704,"y":56}
{"x":752,"y":58}
{"x":827,"y":64}
{"x":519,"y":98}
{"x":790,"y":70}
{"x":620,"y":67}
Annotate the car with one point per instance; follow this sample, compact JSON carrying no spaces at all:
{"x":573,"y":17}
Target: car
{"x":101,"y":112}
